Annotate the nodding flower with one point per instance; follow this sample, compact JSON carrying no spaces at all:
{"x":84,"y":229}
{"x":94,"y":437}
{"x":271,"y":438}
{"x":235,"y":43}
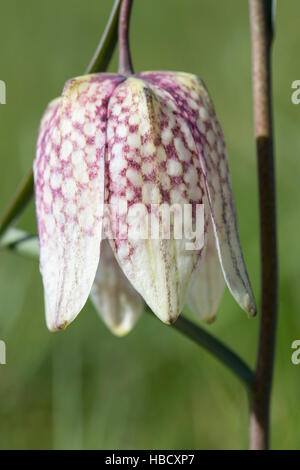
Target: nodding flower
{"x":150,"y":138}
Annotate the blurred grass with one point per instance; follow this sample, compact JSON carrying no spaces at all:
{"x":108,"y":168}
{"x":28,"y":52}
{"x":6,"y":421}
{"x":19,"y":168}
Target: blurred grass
{"x":83,"y":388}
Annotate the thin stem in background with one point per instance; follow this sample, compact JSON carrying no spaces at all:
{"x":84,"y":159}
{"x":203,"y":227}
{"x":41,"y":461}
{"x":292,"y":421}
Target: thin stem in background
{"x":261,"y":32}
{"x":19,"y":202}
{"x":125,"y":62}
{"x":213,"y":345}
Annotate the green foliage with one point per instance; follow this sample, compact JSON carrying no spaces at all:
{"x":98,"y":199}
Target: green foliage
{"x":83,"y":388}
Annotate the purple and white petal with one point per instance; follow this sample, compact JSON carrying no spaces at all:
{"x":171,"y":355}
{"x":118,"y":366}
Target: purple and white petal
{"x":150,"y":165}
{"x":116,"y":301}
{"x":196,"y":107}
{"x":207,"y":287}
{"x":69,"y":188}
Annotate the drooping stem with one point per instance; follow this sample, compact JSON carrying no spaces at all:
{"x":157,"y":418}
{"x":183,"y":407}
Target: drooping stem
{"x":18,"y":203}
{"x":125,"y":63}
{"x":261,"y":32}
{"x":214,"y":346}
{"x":218,"y":349}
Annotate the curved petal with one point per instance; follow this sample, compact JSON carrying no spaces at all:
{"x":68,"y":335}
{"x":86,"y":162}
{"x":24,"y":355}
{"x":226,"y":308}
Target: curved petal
{"x":152,"y":169}
{"x":116,"y":301}
{"x":69,"y":188}
{"x":207,"y":287}
{"x":196,"y":106}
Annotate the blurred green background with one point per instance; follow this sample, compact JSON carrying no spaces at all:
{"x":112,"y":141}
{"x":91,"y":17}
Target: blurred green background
{"x":154,"y":389}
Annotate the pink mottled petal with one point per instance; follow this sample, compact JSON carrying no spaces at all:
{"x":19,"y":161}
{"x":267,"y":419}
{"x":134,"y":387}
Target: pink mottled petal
{"x":150,"y":162}
{"x":69,"y":188}
{"x":195,"y":104}
{"x":207,"y":288}
{"x":116,"y":301}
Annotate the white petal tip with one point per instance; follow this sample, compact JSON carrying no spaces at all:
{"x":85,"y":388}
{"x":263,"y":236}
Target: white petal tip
{"x":209,"y":320}
{"x":121,"y":330}
{"x":168,"y":319}
{"x":247,"y":303}
{"x":54,"y":327}
{"x":61,"y":319}
{"x":123,"y":327}
{"x":252,"y":311}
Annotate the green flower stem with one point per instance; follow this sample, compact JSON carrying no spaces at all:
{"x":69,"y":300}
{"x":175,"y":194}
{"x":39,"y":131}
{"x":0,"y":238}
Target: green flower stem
{"x":218,"y":349}
{"x":108,"y":42}
{"x":18,"y":204}
{"x":261,"y":35}
{"x":99,"y":63}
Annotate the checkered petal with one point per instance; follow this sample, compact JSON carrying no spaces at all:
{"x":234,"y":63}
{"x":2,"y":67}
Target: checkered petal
{"x":116,"y":301}
{"x":207,"y":287}
{"x":196,"y":108}
{"x":69,"y":189}
{"x":150,"y":165}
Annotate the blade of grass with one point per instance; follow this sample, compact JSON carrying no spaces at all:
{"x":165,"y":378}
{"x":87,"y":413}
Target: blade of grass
{"x":107,"y":44}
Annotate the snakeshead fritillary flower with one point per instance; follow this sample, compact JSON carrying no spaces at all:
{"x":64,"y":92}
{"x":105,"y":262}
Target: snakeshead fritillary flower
{"x":117,"y":302}
{"x":152,"y":138}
